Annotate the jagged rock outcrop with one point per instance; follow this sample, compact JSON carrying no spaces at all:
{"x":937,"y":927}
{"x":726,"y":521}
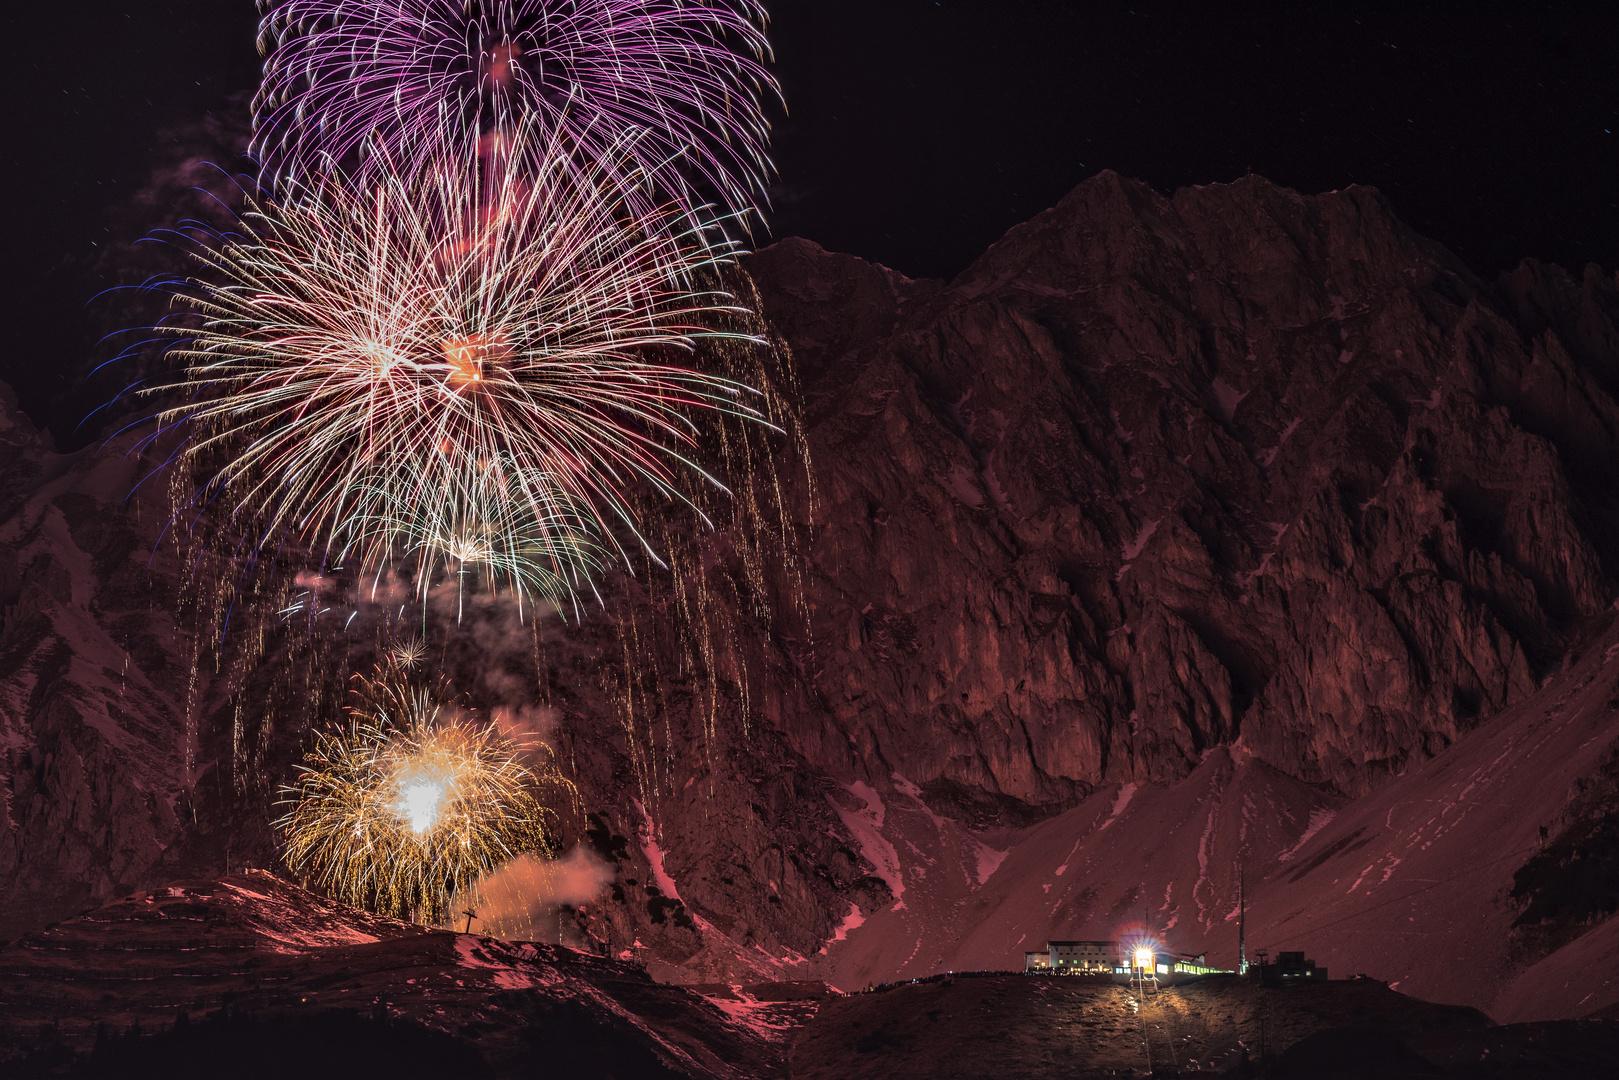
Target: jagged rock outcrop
{"x":92,"y":691}
{"x":1157,"y":474}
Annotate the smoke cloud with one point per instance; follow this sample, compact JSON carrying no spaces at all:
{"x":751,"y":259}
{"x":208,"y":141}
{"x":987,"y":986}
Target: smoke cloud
{"x":527,"y":724}
{"x":521,"y":901}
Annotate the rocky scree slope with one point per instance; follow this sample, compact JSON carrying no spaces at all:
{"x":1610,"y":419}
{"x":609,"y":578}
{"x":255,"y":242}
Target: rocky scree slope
{"x":1156,"y":476}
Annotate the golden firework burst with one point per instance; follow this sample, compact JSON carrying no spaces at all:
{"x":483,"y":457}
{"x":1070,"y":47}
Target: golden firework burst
{"x":410,"y":802}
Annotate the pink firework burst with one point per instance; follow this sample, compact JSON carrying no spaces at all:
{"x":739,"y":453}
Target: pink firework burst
{"x":685,"y":81}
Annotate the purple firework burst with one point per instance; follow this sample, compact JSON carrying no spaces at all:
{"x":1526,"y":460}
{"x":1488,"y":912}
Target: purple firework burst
{"x":686,"y":81}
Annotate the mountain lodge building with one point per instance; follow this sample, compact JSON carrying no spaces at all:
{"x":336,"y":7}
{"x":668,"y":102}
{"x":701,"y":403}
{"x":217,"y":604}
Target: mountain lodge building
{"x":1115,"y":959}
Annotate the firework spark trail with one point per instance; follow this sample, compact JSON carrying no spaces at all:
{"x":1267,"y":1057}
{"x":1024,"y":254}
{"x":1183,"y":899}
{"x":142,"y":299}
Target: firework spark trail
{"x":688,"y":79}
{"x":406,"y":368}
{"x":478,"y":530}
{"x":408,"y":804}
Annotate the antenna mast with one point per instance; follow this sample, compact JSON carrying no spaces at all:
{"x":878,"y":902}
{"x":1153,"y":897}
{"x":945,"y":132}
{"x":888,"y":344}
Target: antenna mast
{"x":1242,"y":921}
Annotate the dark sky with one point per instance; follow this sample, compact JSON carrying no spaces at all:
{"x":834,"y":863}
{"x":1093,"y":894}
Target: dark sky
{"x":919,"y":131}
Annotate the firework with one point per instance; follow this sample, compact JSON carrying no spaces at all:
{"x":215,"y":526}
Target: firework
{"x":489,"y":380}
{"x":687,"y":78}
{"x":409,"y":804}
{"x":491,"y":526}
{"x":408,"y":655}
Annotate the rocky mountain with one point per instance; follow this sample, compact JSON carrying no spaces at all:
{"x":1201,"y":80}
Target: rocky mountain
{"x":1159,"y":475}
{"x":1176,"y":533}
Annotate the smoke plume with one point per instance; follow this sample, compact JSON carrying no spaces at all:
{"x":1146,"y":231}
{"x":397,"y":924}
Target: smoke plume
{"x":522,"y":900}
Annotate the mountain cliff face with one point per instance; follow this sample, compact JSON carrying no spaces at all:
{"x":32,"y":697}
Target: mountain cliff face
{"x":1236,"y":495}
{"x":93,"y":683}
{"x":1157,"y":475}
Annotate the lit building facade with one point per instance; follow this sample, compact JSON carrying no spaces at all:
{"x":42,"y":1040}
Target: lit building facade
{"x":1119,"y":960}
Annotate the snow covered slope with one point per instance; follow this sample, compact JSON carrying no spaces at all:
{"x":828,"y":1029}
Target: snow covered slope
{"x":1409,"y":884}
{"x":254,"y":945}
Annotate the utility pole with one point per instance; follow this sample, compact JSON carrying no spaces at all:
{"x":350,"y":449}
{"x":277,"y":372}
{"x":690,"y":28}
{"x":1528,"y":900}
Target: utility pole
{"x":1242,"y":921}
{"x":470,"y":916}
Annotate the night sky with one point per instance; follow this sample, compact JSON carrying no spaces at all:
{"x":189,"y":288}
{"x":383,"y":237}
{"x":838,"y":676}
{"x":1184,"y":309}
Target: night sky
{"x":919,"y":131}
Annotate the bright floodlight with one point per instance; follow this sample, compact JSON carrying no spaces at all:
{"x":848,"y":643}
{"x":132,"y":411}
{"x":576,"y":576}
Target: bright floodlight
{"x":1143,"y":957}
{"x":420,"y":799}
